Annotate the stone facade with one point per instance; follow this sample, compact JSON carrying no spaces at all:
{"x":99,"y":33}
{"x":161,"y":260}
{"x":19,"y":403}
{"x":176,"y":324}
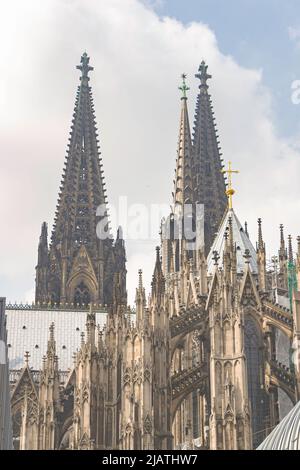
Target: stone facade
{"x":196,"y":366}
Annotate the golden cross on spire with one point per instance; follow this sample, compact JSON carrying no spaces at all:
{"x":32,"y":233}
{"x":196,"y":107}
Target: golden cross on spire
{"x":229,"y":191}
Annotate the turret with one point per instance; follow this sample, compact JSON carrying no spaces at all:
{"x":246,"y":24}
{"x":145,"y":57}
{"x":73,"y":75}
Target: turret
{"x":261,"y":259}
{"x":42,"y":268}
{"x":283,"y":262}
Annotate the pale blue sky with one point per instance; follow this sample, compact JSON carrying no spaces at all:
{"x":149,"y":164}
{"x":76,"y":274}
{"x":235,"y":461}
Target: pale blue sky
{"x":253,"y":52}
{"x":256,"y":34}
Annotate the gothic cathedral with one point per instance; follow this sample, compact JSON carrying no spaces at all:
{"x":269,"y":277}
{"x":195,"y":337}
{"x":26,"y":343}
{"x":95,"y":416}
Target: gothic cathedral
{"x":204,"y":362}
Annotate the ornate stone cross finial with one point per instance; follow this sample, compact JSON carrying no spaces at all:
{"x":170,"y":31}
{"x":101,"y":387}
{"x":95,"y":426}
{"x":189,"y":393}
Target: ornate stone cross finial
{"x":184,"y":88}
{"x":229,"y":191}
{"x":203,"y":75}
{"x":84,"y":66}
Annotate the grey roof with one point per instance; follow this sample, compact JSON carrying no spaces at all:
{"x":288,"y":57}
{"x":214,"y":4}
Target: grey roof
{"x":28,"y":330}
{"x":241,"y":240}
{"x":286,"y":435}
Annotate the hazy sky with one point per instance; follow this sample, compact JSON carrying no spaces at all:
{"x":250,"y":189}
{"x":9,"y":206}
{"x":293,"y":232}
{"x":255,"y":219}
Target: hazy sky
{"x":138,"y":50}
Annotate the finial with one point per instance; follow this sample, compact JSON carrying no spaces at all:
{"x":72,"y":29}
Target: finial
{"x":203,"y":75}
{"x":26,"y":358}
{"x":229,"y":191}
{"x":84,"y":66}
{"x":260,"y":237}
{"x":281,"y":235}
{"x":157,"y":254}
{"x":51,"y":329}
{"x":246,"y":229}
{"x":290,"y":245}
{"x":140,"y":279}
{"x":215,"y":257}
{"x":184,"y":88}
{"x":247,"y":256}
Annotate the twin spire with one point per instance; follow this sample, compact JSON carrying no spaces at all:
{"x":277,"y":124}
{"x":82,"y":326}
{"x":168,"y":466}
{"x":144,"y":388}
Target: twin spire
{"x":199,"y":174}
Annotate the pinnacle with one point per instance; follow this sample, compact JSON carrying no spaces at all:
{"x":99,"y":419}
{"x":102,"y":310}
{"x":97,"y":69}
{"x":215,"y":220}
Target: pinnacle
{"x":290,"y":248}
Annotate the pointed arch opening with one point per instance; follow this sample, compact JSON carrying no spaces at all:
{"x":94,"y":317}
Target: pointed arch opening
{"x":82,"y":296}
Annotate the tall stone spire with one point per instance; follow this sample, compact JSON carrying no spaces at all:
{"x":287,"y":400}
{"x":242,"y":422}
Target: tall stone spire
{"x":81,"y":253}
{"x":183,"y":191}
{"x":177,"y":230}
{"x":209,"y":182}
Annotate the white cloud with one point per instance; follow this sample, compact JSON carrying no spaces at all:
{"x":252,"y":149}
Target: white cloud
{"x":138,"y":59}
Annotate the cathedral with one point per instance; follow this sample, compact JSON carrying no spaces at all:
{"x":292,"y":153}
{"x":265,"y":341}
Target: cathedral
{"x":210,"y":360}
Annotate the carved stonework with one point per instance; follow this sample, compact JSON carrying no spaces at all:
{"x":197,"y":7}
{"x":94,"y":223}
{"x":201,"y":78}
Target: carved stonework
{"x":147,"y":424}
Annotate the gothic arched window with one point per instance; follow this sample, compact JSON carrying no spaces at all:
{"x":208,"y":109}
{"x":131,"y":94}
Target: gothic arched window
{"x":82,"y":295}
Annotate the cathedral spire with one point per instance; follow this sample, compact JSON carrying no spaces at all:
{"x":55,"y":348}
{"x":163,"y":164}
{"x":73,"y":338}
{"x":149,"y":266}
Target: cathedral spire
{"x":183,"y":191}
{"x":81,"y":256}
{"x":209,"y":182}
{"x":82,"y":188}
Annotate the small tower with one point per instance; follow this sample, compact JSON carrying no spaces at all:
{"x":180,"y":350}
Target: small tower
{"x":283,"y":263}
{"x":261,"y":259}
{"x":42,"y":268}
